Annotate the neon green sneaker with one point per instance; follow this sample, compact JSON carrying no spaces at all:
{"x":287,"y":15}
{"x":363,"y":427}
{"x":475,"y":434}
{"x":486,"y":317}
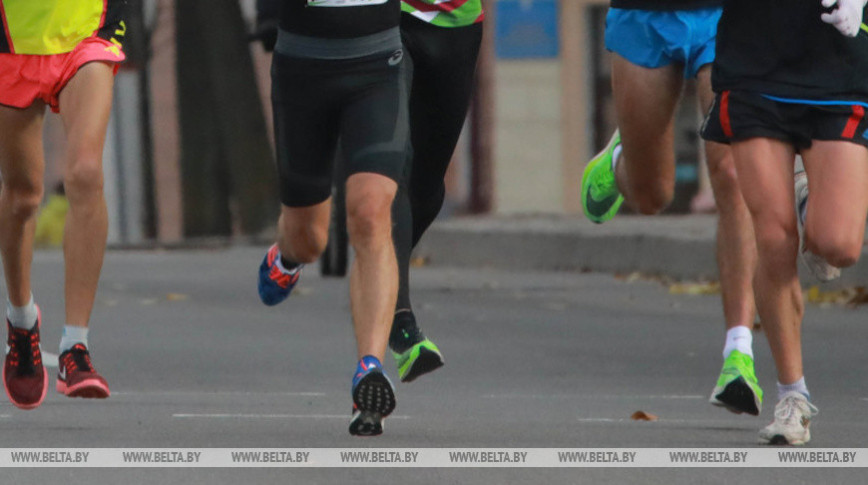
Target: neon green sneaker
{"x":420,"y":359}
{"x":737,"y":388}
{"x":600,"y":197}
{"x":414,"y":354}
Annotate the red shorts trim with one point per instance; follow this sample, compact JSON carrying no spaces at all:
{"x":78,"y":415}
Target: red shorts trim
{"x":854,"y":121}
{"x":24,"y":79}
{"x":724,"y":114}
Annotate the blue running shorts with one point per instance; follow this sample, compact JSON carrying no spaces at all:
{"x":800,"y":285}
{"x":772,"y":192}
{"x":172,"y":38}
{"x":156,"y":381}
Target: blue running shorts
{"x":655,"y":38}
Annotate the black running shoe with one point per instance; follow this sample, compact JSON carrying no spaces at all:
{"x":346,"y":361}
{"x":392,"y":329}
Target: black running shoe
{"x":373,"y":398}
{"x":415,"y":355}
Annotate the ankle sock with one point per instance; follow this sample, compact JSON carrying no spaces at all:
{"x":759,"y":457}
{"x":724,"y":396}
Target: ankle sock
{"x":799,"y":386}
{"x":22,"y":316}
{"x":738,"y":338}
{"x":72,"y":334}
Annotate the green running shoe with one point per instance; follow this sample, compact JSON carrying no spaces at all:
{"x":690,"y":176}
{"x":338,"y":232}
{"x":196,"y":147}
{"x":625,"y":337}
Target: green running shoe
{"x":600,"y":197}
{"x":737,"y":388}
{"x":414,"y":354}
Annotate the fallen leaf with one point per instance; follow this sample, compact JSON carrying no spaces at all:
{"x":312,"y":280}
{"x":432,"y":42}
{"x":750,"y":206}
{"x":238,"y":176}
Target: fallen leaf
{"x":643,"y":416}
{"x":704,"y":288}
{"x":418,"y":262}
{"x":176,"y":297}
{"x":853,"y":296}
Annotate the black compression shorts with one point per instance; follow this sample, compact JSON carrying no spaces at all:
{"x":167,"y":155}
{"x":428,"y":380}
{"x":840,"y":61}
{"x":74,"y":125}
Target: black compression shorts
{"x":318,"y":101}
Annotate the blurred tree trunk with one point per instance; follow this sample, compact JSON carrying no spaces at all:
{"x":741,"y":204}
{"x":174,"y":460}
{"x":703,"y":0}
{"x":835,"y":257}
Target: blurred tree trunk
{"x":227,"y":166}
{"x":482,"y":118}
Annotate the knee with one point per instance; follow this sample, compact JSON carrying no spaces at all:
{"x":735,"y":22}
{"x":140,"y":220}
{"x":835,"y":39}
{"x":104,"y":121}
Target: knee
{"x":23,"y":200}
{"x":83,"y":179}
{"x":777,"y":244}
{"x":651,"y":199}
{"x":839,"y":249}
{"x":307,"y":242}
{"x":721,"y":172}
{"x":369,"y":220}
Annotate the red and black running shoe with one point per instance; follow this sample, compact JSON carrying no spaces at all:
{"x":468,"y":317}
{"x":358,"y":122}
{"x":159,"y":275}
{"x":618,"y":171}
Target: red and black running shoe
{"x":24,"y":376}
{"x":76,"y":376}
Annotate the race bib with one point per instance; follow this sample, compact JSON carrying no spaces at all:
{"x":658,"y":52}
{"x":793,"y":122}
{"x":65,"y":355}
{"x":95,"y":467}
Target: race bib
{"x":344,"y":3}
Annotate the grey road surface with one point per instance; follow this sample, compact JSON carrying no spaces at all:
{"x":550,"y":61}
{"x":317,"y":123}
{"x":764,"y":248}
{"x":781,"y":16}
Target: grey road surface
{"x":533,"y":360}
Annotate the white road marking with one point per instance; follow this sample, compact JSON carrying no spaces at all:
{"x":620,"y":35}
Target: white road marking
{"x":271,"y":416}
{"x":592,"y":396}
{"x":216,"y":393}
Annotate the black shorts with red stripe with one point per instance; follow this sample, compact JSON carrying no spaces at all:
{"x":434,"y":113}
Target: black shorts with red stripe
{"x":741,"y":115}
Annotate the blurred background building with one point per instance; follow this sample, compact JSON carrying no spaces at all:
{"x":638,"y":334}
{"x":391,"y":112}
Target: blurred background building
{"x":189,"y":148}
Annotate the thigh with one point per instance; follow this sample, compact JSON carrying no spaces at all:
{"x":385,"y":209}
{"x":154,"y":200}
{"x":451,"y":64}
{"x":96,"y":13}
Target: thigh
{"x":838,"y":179}
{"x":374,"y":126}
{"x":22,"y":161}
{"x":645,"y":102}
{"x":85,"y":106}
{"x":306,"y":129}
{"x":444,"y":67}
{"x":765,"y":174}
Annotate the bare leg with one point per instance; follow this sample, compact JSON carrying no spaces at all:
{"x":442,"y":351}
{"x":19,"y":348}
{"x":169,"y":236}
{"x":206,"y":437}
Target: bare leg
{"x":736,"y":248}
{"x":85,"y":104}
{"x":645,"y":101}
{"x":835,"y":221}
{"x":374,"y":274}
{"x":303,"y":232}
{"x":765,"y":173}
{"x":22,"y":165}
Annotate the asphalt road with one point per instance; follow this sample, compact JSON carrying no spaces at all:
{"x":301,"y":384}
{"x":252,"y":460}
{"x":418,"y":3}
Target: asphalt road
{"x":532,"y":360}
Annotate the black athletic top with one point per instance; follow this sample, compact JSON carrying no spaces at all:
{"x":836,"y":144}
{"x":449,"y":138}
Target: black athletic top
{"x":782,"y":48}
{"x":667,"y":4}
{"x":339,"y":18}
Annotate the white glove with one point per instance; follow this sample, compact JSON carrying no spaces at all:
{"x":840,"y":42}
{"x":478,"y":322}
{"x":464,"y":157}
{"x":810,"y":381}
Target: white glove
{"x":847,"y":16}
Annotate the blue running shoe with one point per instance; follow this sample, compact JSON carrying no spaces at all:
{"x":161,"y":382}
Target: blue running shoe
{"x":373,"y":398}
{"x":275,"y":284}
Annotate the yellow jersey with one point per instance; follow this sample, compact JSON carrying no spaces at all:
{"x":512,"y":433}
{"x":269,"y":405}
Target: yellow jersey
{"x":47,"y":27}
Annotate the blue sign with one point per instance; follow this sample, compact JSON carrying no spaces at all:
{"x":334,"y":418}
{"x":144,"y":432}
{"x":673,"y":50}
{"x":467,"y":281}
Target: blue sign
{"x":526,"y":29}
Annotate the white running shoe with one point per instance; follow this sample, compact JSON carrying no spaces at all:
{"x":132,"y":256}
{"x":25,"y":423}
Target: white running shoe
{"x":821,"y":270}
{"x":792,"y":421}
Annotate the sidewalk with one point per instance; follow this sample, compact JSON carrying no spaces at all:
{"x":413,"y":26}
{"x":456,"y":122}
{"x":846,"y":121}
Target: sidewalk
{"x":681,"y":247}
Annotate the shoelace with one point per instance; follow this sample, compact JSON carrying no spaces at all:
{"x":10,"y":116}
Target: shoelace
{"x":19,"y":356}
{"x":77,"y":359}
{"x":282,"y":279}
{"x":786,"y":410}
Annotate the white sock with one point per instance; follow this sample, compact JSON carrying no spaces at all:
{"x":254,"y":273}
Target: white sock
{"x":22,"y":316}
{"x":799,"y":386}
{"x":72,"y":334}
{"x":616,"y":155}
{"x":738,"y":338}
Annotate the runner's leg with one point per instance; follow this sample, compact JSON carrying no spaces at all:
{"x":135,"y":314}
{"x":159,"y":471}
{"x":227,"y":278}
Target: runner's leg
{"x":736,"y":248}
{"x":765,"y":174}
{"x":22,"y":165}
{"x":835,"y":219}
{"x":374,"y":274}
{"x":645,"y":102}
{"x":85,"y":105}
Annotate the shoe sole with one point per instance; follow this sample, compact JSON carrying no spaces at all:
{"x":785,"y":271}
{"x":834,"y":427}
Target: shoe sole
{"x":781,"y":440}
{"x":737,"y":397}
{"x":87,"y":389}
{"x":374,"y":399}
{"x":26,"y":406}
{"x":427,"y":361}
